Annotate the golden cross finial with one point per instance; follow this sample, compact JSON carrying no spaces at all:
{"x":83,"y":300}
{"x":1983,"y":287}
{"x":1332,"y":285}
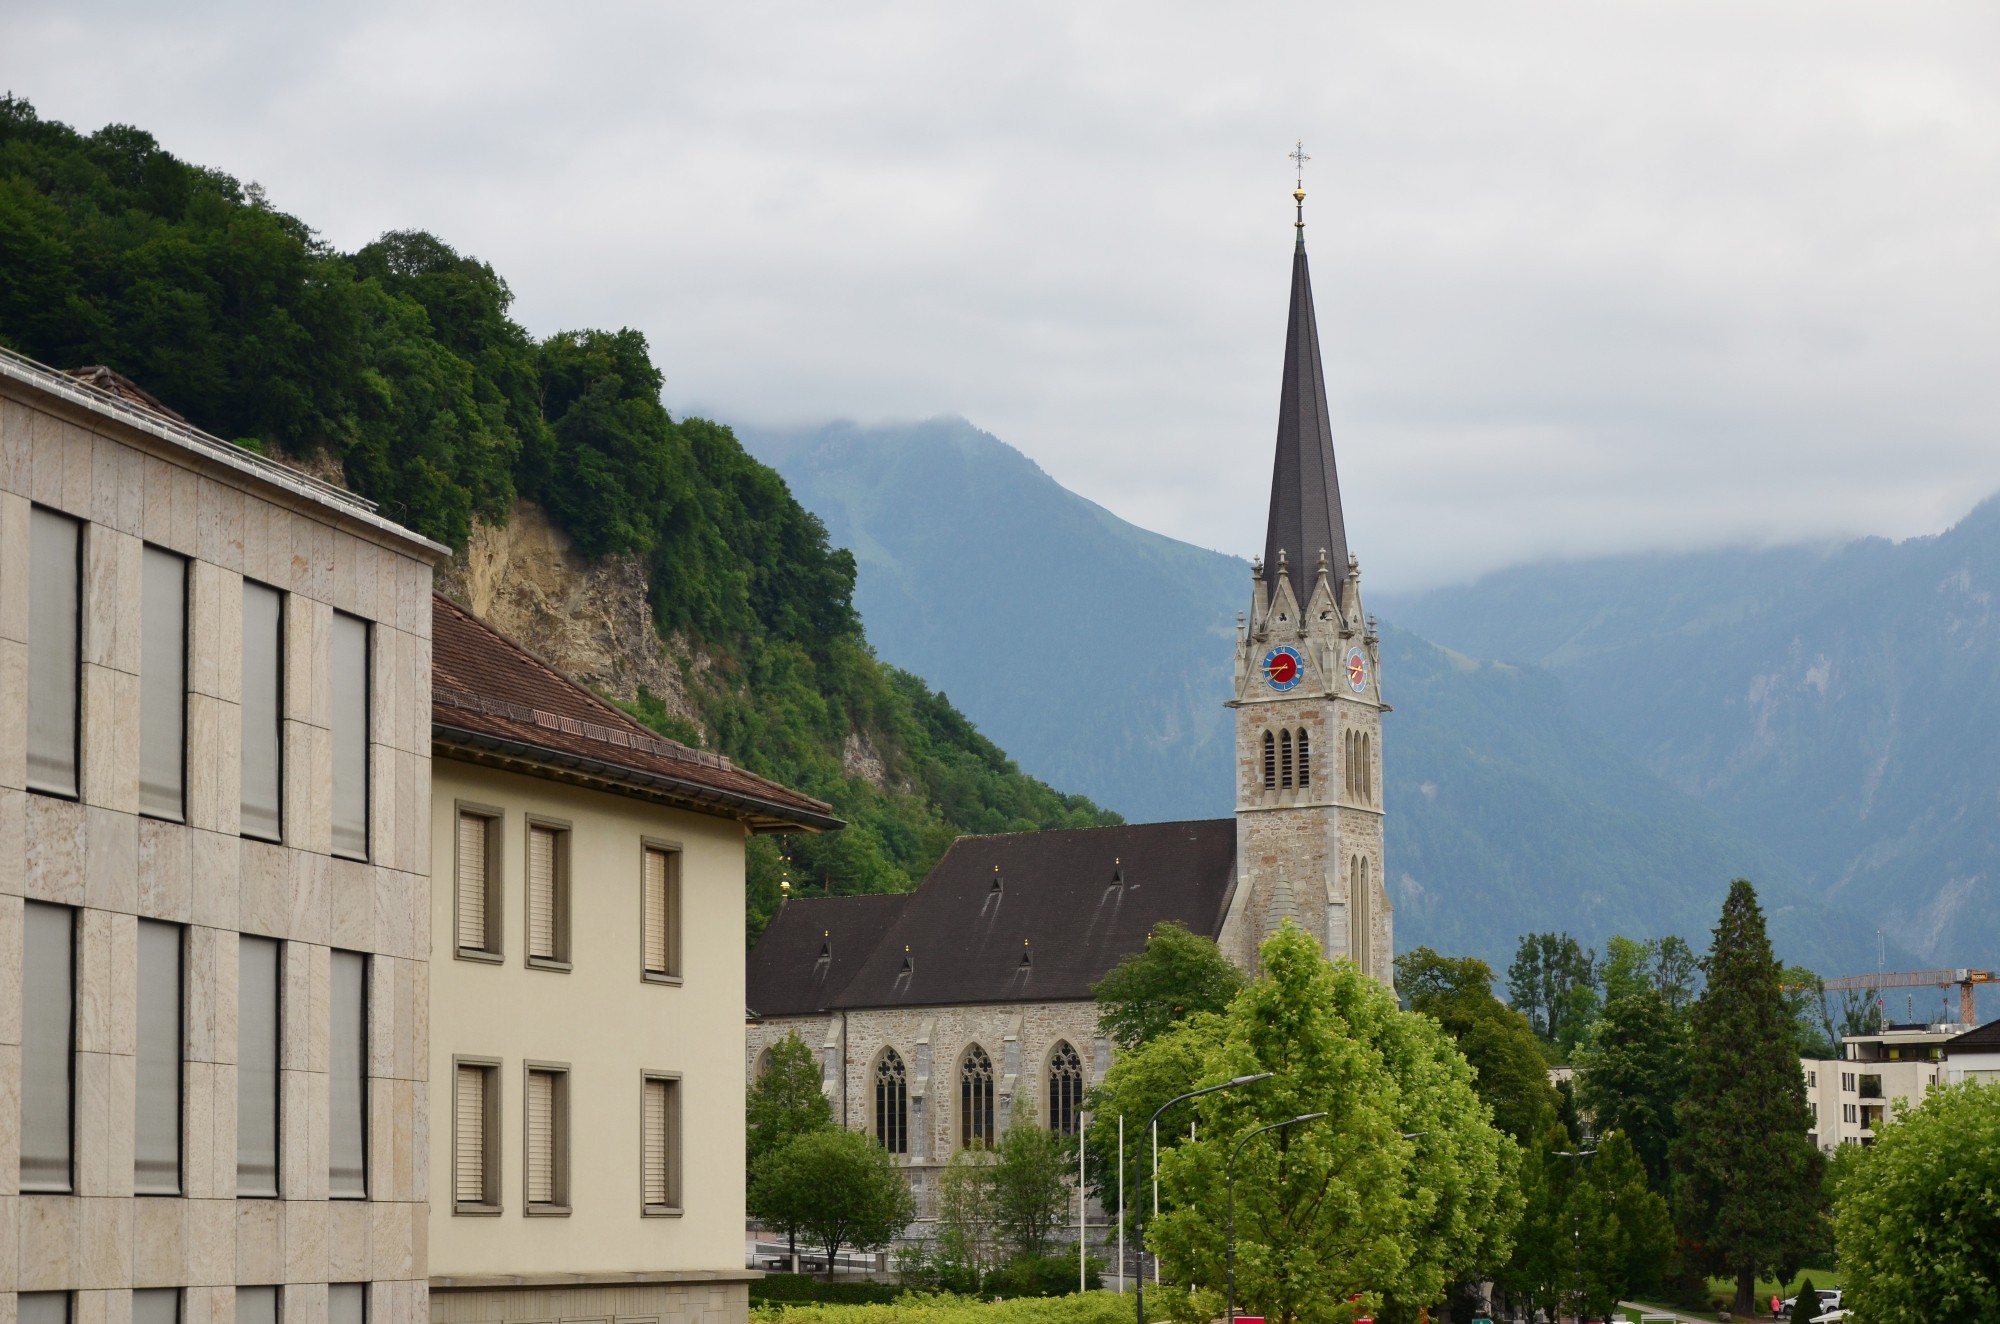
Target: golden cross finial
{"x":1299,"y":159}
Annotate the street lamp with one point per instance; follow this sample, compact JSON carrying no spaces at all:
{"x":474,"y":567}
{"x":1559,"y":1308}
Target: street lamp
{"x":1229,"y":1308}
{"x":1139,"y":1302}
{"x":1575,"y":1222}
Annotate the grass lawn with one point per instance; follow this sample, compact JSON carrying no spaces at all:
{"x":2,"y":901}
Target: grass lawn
{"x":1766,"y":1289}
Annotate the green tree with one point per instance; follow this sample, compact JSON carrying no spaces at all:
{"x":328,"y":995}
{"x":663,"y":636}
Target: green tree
{"x":1626,"y":1231}
{"x":1139,"y":1082}
{"x":836,"y":1187}
{"x":1176,"y":975}
{"x":965,"y":1249}
{"x":1345,"y":1205}
{"x":785,"y":1100}
{"x":1553,"y":982}
{"x":1511,"y":1074}
{"x":1746,"y":1177}
{"x":1031,"y":1183}
{"x":1812,"y":1026}
{"x":1632,"y":1073}
{"x":1914,"y":1219}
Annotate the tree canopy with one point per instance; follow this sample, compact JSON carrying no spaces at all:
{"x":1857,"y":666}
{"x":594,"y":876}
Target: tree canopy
{"x":1553,"y":982}
{"x":838,"y":1187}
{"x":1631,"y":1074}
{"x":785,"y":1100}
{"x":1511,"y":1072}
{"x":1175,"y":976}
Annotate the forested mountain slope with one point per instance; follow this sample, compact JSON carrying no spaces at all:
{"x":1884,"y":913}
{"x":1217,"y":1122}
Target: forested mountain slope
{"x":398,"y":369}
{"x":1100,"y":654}
{"x":1839,"y":702}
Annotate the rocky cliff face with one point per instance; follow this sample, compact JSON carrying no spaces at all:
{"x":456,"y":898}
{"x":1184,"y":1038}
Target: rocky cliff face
{"x":592,"y":622}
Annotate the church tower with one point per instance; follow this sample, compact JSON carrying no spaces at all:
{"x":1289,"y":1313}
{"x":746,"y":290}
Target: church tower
{"x":1308,"y":700}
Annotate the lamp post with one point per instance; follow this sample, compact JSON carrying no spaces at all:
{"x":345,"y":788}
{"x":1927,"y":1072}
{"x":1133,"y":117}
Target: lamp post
{"x":1139,"y":1302}
{"x":1229,"y":1307}
{"x":1575,"y":1222}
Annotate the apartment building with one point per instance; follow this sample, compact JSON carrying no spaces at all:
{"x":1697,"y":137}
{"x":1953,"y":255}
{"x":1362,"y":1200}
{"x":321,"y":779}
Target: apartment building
{"x":214,"y":771}
{"x":1974,"y":1055}
{"x":586,"y":988}
{"x":1876,"y":1078}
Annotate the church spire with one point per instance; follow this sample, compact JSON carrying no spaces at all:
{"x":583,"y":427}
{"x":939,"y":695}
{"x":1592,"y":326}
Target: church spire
{"x":1305,"y":490}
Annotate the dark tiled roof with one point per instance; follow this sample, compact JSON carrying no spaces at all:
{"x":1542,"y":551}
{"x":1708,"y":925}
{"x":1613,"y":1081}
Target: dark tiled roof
{"x":786,"y":976}
{"x":1059,"y":903}
{"x":1980,"y":1039}
{"x":493,"y":701}
{"x":118,"y":384}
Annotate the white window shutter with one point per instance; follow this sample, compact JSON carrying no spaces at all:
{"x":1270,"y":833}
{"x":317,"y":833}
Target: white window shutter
{"x":542,"y":893}
{"x":472,"y":858}
{"x":469,"y":1177}
{"x":541,"y":1137}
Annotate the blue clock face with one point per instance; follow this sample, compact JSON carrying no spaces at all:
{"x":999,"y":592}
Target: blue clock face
{"x":1283,"y":667}
{"x":1357,"y":670}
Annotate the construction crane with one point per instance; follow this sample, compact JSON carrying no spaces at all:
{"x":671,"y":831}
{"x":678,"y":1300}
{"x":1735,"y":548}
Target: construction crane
{"x":1967,"y":981}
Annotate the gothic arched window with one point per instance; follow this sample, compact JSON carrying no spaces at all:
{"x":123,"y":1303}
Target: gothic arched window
{"x":892,"y":1103}
{"x":1270,"y":762}
{"x":975,"y":1099}
{"x":1305,"y":759}
{"x":1065,"y":1090}
{"x":1367,"y":769}
{"x":1285,"y":759}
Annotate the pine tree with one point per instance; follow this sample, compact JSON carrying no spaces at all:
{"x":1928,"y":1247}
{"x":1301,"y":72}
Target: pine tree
{"x":1806,"y":1304}
{"x":1746,"y":1176}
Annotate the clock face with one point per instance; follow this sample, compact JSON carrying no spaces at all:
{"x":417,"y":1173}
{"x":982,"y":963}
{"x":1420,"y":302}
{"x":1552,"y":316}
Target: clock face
{"x":1283,"y":667}
{"x":1357,"y":670}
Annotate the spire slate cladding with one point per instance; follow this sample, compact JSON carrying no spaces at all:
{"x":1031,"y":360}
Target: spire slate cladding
{"x":1305,"y":490}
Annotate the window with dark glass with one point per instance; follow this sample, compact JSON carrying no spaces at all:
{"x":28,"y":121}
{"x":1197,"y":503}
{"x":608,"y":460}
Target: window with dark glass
{"x":163,"y":685}
{"x":55,"y":616}
{"x":975,"y":1099}
{"x":263,"y":711}
{"x":892,"y":1103}
{"x":1065,"y":1089}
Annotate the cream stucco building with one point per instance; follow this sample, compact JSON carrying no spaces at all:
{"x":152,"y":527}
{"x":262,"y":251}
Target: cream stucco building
{"x":587,"y":940}
{"x":214,"y":841}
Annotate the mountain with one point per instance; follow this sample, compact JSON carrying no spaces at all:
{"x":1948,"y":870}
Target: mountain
{"x":650,"y":553}
{"x":1838,"y":702}
{"x":1100,"y":655}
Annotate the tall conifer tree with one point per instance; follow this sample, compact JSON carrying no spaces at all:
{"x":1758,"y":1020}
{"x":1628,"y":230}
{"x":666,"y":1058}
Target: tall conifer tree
{"x":1746,"y":1176}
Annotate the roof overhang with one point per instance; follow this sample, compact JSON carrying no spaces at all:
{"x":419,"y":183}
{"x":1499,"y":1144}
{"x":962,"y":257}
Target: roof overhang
{"x":758,"y":814}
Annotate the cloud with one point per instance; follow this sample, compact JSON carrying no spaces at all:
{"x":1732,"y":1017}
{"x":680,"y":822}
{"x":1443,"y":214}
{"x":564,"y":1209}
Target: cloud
{"x":1590,"y":276}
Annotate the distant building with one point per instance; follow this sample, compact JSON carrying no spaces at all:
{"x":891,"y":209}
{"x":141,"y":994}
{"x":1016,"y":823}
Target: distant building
{"x":1876,"y":1078}
{"x":1974,"y":1055}
{"x":586,"y":999}
{"x":937,"y":1014}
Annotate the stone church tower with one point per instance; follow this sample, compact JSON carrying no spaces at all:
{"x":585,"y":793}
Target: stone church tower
{"x":1308,"y":700}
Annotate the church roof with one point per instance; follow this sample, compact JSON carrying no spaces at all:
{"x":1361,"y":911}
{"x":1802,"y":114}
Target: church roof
{"x":1023,"y":917}
{"x":811,"y":948}
{"x":1305,"y":489}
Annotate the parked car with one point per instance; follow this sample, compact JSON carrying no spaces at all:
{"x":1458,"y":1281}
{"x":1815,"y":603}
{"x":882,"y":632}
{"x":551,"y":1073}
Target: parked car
{"x":1829,"y":1299}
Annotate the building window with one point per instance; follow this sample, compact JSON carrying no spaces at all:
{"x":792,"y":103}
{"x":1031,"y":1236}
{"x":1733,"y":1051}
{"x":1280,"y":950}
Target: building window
{"x":548,"y":895}
{"x":350,"y":736}
{"x":48,"y":1038}
{"x":1285,"y":758}
{"x":263,"y":712}
{"x":546,"y":1133}
{"x":163,"y":685}
{"x":346,"y":1303}
{"x":660,"y":913}
{"x":476,"y":867}
{"x":975,"y":1099}
{"x":256,"y":1305}
{"x":157,"y":1305}
{"x":1847,"y":1113}
{"x":347,"y":1077}
{"x":475,"y":1133}
{"x":1270,"y":762}
{"x":1065,"y":1090}
{"x":43,"y":1308}
{"x":892,"y":1103}
{"x":660,"y":1143}
{"x":1305,"y":759}
{"x":156,"y":1150}
{"x":257,"y":1022}
{"x":1367,"y":768}
{"x":55,"y":623}
{"x":1812,"y":1080}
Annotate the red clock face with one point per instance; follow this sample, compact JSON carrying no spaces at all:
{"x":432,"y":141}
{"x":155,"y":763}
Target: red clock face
{"x":1281,"y":667}
{"x":1357,"y":670}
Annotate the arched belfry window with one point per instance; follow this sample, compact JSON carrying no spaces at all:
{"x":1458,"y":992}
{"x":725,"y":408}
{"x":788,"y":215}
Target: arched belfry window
{"x":1367,"y":769}
{"x":1065,"y":1090}
{"x":1270,"y":762}
{"x":975,"y":1099}
{"x":1285,"y":759}
{"x":1305,"y":759}
{"x":892,"y":1103}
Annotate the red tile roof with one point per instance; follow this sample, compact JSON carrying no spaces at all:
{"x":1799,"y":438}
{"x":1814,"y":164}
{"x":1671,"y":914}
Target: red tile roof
{"x":493,"y":701}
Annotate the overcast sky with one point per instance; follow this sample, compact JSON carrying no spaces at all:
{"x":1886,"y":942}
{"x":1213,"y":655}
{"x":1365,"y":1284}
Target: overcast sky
{"x":1590,"y":276}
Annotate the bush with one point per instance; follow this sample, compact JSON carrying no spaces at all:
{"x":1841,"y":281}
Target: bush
{"x":1806,"y":1304}
{"x":916,"y":1308}
{"x":1042,"y":1275}
{"x":799,"y":1288}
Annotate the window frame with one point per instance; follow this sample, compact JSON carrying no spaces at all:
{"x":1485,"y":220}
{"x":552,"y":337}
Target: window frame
{"x":68,"y":1301}
{"x":987,"y":1134}
{"x":180,"y":1068}
{"x":277,"y":1191}
{"x":178,"y":1294}
{"x":360,"y":1287}
{"x":496,"y":892}
{"x":68,"y":1186}
{"x":559,"y":1171}
{"x":876,"y":1088}
{"x":367,"y":960}
{"x":278,"y":668}
{"x":676,"y":972}
{"x":489,"y":1149}
{"x":676,"y":1172}
{"x":75,"y":790}
{"x":564,"y":831}
{"x":367,"y":851}
{"x":187,"y":614}
{"x":1082,"y":1087}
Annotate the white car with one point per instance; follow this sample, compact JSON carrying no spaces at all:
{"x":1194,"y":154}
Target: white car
{"x":1829,"y":1299}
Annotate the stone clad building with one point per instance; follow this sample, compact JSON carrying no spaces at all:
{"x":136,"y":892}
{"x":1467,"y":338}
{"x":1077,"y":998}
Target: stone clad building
{"x":214,"y":848}
{"x":936,"y":1014}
